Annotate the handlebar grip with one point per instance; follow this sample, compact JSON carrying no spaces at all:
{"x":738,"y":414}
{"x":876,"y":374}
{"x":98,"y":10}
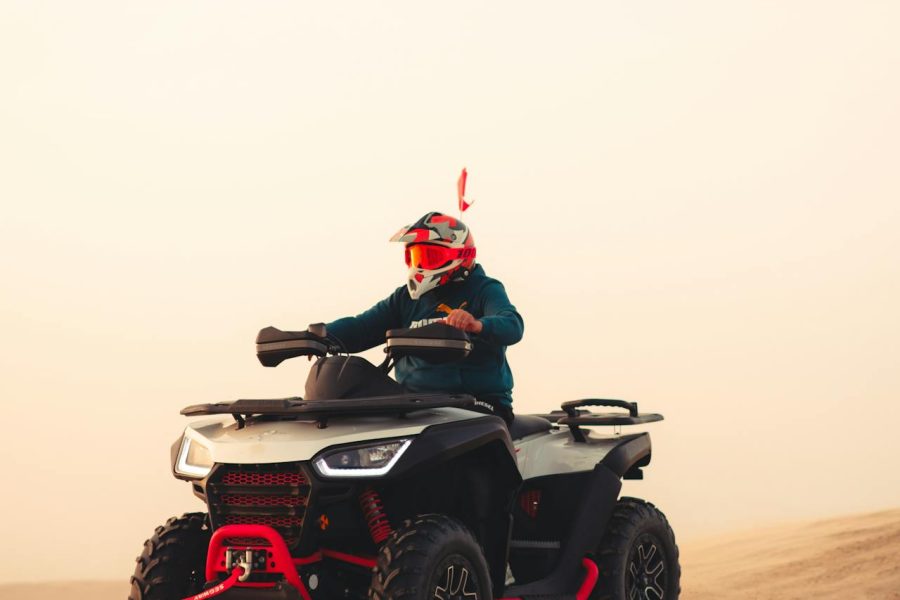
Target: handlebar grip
{"x":318,"y":329}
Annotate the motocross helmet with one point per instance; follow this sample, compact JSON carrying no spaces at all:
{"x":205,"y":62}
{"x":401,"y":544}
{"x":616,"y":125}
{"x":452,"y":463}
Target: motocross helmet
{"x":439,"y":249}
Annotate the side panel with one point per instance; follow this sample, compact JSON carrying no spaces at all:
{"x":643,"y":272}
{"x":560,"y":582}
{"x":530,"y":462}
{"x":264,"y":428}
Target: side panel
{"x":580,"y":536}
{"x":568,"y":495}
{"x":556,"y":452}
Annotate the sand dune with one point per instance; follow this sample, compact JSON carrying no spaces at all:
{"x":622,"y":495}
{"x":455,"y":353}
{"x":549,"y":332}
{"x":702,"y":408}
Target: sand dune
{"x":91,"y":590}
{"x":845,"y":558}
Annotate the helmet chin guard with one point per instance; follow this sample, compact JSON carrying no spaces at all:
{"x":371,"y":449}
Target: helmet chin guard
{"x":421,"y":281}
{"x":440,"y":230}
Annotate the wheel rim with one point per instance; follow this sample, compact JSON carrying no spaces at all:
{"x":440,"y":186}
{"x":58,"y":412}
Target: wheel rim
{"x":647,"y":570}
{"x":455,"y":579}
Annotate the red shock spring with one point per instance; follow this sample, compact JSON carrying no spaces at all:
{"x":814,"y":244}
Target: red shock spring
{"x":373,"y":512}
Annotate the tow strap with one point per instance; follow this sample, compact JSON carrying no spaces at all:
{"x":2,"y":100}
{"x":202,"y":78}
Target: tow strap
{"x":220,"y":588}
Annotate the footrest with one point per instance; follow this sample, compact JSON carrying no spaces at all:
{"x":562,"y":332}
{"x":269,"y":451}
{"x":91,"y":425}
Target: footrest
{"x":521,"y":592}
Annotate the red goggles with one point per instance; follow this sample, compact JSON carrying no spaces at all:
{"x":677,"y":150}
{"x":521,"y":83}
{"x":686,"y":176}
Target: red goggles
{"x":432,"y":256}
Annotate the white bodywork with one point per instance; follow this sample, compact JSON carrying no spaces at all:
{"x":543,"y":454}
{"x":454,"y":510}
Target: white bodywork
{"x":287,"y":441}
{"x":554,"y":452}
{"x":545,"y":453}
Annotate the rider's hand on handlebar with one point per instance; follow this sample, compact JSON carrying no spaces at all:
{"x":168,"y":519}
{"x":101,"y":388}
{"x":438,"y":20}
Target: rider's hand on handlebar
{"x":464,"y":320}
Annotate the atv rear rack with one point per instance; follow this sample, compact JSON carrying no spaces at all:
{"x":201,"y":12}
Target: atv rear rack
{"x":322,"y":410}
{"x":573,"y":415}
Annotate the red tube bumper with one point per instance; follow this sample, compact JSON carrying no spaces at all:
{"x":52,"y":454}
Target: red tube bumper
{"x":280,"y":561}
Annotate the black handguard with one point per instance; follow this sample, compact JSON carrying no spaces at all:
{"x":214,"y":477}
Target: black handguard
{"x":435,"y":343}
{"x":274,"y":346}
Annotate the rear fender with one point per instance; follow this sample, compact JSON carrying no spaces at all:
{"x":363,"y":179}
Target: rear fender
{"x":586,"y":517}
{"x":558,"y":453}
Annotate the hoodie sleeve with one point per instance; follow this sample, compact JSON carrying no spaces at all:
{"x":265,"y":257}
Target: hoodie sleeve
{"x":366,"y":330}
{"x":503,"y":326}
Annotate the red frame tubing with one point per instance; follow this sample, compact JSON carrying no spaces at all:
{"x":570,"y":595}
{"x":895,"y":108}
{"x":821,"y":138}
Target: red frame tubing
{"x":281,"y":560}
{"x":587,"y":586}
{"x":361,"y":561}
{"x":590,"y":580}
{"x":281,"y":556}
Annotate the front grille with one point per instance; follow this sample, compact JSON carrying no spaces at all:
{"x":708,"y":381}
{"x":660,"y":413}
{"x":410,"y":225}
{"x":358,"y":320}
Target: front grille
{"x":238,"y":477}
{"x":271,"y":521}
{"x":235,"y":500}
{"x":275,"y":495}
{"x":247,"y":541}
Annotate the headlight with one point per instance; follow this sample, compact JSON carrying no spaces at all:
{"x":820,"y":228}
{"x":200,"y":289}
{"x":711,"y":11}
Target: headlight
{"x":194,"y":459}
{"x":362,"y":461}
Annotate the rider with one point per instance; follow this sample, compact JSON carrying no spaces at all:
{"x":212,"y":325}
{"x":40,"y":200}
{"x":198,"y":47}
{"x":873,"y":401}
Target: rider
{"x":445,"y":285}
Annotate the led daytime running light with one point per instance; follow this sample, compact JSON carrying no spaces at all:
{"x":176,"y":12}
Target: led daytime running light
{"x":183,"y":467}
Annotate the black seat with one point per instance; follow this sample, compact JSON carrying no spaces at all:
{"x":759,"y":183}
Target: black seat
{"x":524,"y":425}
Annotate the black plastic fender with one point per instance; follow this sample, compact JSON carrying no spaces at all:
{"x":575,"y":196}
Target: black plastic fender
{"x":595,"y":508}
{"x":489,"y":481}
{"x":594,"y":511}
{"x":632,"y":451}
{"x":444,"y":442}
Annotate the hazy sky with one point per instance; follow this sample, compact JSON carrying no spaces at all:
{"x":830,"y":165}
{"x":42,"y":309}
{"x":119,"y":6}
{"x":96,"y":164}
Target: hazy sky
{"x":694,"y":205}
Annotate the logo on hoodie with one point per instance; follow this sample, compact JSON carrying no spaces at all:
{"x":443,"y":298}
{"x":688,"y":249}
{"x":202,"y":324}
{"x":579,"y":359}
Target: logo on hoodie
{"x":440,"y":308}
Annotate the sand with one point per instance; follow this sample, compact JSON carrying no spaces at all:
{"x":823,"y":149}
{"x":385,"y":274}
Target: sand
{"x":844,"y":558}
{"x":104,"y":590}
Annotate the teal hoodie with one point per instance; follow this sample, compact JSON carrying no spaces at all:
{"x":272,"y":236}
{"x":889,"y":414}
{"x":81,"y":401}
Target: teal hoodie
{"x":485,"y":373}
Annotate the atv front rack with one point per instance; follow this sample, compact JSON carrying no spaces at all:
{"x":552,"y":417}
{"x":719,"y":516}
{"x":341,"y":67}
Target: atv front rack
{"x":575,"y":416}
{"x":322,"y":410}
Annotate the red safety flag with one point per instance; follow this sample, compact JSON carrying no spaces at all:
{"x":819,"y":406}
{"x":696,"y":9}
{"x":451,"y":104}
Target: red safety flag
{"x":461,"y":192}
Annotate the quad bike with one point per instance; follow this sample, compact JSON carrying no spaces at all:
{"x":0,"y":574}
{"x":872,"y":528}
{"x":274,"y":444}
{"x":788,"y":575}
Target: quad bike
{"x":364,"y":490}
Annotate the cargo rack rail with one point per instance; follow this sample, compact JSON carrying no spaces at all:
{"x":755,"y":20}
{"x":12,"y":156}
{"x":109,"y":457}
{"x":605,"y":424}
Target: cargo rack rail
{"x":322,"y":410}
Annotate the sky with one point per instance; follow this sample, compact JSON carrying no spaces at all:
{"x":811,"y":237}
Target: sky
{"x":693,"y":205}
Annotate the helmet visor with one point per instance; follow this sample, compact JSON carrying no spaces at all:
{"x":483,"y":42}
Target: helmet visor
{"x":429,"y":256}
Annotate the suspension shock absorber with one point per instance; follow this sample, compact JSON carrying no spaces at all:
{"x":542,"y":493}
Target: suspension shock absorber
{"x":373,"y":512}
